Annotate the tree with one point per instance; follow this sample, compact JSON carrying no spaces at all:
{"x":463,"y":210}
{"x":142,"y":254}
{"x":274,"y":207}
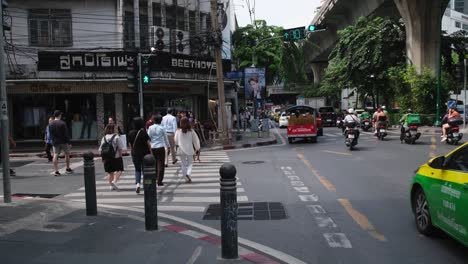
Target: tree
{"x":268,"y":54}
{"x":363,"y":55}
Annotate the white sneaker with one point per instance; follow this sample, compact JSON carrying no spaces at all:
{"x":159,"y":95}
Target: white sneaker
{"x":111,"y":188}
{"x":114,"y":186}
{"x":443,"y":139}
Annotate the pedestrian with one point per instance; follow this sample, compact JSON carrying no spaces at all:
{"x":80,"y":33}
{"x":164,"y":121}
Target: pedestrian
{"x":113,"y":164}
{"x":48,"y":140}
{"x":12,"y":143}
{"x":149,"y":122}
{"x":188,"y":144}
{"x":111,"y":120}
{"x":159,"y":141}
{"x":60,"y":137}
{"x":140,"y":143}
{"x":169,"y":123}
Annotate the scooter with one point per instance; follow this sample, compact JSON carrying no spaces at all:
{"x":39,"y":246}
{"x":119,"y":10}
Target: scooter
{"x":366,"y":124}
{"x":410,"y":134}
{"x":381,"y":128}
{"x":453,"y":135}
{"x":339,"y":122}
{"x":351,"y":135}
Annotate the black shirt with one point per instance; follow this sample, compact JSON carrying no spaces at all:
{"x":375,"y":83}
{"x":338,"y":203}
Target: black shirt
{"x":139,"y":145}
{"x":59,"y":132}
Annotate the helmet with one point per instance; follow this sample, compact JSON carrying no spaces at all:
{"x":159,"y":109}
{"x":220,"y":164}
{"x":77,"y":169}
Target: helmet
{"x":351,"y":111}
{"x":409,"y":110}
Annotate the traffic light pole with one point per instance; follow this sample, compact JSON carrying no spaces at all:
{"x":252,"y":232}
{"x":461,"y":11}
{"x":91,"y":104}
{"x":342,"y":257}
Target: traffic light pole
{"x":4,"y":122}
{"x":140,"y":87}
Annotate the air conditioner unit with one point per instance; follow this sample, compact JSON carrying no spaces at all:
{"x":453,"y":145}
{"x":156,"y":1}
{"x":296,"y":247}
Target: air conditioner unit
{"x":160,"y":38}
{"x":182,"y":42}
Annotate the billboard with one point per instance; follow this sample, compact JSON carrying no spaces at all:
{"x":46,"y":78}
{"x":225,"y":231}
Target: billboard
{"x":254,"y":83}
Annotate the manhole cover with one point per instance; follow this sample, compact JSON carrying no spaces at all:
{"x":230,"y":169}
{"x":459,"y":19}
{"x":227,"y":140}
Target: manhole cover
{"x":250,"y":211}
{"x":253,"y":162}
{"x":41,"y":195}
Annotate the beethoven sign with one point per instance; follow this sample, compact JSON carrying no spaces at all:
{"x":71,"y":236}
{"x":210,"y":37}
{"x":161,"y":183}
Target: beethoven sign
{"x":117,"y":61}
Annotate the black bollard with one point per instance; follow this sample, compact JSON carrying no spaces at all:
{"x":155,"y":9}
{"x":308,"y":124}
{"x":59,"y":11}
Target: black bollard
{"x":90,"y":184}
{"x":228,"y":211}
{"x":149,"y":184}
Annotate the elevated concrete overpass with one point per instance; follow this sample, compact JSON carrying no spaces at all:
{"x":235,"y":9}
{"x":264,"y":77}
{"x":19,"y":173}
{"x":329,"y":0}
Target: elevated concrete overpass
{"x":422,"y":19}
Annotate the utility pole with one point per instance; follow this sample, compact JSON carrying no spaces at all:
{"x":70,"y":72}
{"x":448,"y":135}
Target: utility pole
{"x":136,"y":19}
{"x":219,"y":67}
{"x":140,"y":87}
{"x":4,"y":120}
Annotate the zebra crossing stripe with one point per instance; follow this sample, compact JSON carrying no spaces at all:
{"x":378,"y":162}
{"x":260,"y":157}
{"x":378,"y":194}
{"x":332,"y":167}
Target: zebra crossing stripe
{"x":165,"y":190}
{"x":187,"y":199}
{"x":179,"y":186}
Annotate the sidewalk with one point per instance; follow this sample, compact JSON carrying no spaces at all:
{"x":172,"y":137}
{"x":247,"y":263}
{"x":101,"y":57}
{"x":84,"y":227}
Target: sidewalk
{"x":249,"y":139}
{"x":53,"y":231}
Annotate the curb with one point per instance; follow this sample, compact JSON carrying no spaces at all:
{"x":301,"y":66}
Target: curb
{"x":258,"y":144}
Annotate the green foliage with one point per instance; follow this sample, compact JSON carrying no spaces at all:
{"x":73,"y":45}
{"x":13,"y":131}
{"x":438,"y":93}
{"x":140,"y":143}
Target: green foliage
{"x":363,"y":55}
{"x":267,"y":54}
{"x":417,"y":91}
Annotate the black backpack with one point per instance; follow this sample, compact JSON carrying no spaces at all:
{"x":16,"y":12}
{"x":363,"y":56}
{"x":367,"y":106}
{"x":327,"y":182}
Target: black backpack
{"x":107,"y":149}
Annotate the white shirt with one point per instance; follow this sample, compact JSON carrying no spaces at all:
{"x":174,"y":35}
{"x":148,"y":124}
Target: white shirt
{"x":351,"y":119}
{"x":169,"y":123}
{"x":187,"y":142}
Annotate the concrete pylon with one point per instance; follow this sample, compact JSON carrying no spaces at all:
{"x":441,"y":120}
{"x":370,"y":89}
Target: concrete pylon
{"x":318,"y":69}
{"x":423,"y":20}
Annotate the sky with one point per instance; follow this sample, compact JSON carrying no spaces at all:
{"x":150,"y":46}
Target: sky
{"x":287,"y":14}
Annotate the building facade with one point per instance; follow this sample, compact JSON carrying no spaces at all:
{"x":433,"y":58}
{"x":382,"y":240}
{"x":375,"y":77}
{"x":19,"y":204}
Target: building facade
{"x":455,"y":17}
{"x":72,"y":55}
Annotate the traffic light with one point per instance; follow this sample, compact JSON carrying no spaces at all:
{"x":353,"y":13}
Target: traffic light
{"x":294,"y":34}
{"x":132,"y":70}
{"x":315,"y":28}
{"x":146,"y":70}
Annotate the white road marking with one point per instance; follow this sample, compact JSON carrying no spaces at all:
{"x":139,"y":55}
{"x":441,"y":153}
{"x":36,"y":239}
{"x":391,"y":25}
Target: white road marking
{"x":164,"y":191}
{"x":194,"y":199}
{"x":316,"y":209}
{"x":337,"y":240}
{"x":177,"y":208}
{"x":309,"y":198}
{"x":325,"y":222}
{"x":73,"y":166}
{"x":195,"y":255}
{"x":178,"y":186}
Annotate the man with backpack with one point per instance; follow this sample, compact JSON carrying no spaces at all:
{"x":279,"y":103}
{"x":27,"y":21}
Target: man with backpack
{"x":60,"y":141}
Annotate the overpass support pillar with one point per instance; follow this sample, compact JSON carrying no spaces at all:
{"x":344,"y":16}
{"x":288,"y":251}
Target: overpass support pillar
{"x":423,"y":21}
{"x":318,"y":69}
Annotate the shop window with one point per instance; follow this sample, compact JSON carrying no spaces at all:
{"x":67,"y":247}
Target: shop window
{"x":50,"y":27}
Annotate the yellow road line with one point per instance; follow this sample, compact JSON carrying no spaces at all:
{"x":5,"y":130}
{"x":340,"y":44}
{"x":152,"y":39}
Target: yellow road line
{"x":433,"y":146}
{"x":325,"y":182}
{"x":339,"y":153}
{"x":361,"y":220}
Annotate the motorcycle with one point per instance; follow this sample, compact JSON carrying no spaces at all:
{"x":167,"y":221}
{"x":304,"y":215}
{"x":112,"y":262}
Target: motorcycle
{"x":410,"y":134}
{"x":366,"y":124}
{"x":351,"y":135}
{"x":453,"y":135}
{"x":339,"y":122}
{"x":381,"y":128}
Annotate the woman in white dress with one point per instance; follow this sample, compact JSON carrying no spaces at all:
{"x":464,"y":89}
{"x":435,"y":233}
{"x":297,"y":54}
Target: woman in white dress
{"x":187,"y":143}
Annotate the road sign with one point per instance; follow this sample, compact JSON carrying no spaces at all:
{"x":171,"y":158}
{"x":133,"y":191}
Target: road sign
{"x":234,"y":75}
{"x":294,"y":34}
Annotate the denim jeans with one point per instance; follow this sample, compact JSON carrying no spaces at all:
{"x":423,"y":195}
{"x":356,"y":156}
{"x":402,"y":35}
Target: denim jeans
{"x":138,"y":162}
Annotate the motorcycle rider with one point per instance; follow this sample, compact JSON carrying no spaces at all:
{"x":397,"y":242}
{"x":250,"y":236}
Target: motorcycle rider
{"x":404,"y":123}
{"x":352,"y":118}
{"x":376,"y":118}
{"x":451,"y":114}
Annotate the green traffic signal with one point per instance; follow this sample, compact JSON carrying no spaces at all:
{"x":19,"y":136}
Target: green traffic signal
{"x":146,"y":79}
{"x":312,"y":28}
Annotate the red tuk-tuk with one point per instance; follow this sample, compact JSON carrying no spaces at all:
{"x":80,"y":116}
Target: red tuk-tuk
{"x":303,"y":122}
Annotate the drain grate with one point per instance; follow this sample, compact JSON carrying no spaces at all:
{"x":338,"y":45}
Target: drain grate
{"x":253,"y":162}
{"x":250,"y":211}
{"x":40,"y":195}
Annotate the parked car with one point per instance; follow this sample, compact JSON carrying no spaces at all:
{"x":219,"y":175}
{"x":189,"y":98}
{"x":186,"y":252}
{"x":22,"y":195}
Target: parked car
{"x":283,"y":120}
{"x":439,"y":195}
{"x":328,"y":115}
